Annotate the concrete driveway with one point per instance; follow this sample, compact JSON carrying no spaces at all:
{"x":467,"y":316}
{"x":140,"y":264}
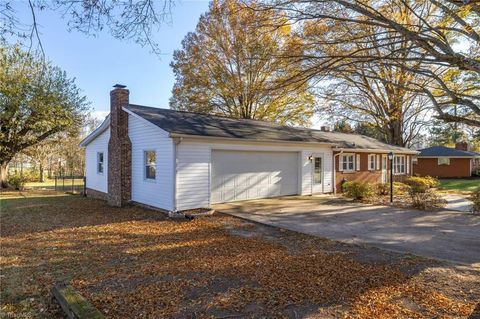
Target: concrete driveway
{"x":447,"y":235}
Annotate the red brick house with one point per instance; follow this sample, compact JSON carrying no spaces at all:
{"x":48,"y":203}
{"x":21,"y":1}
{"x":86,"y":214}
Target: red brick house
{"x":446,"y":162}
{"x":371,"y":165}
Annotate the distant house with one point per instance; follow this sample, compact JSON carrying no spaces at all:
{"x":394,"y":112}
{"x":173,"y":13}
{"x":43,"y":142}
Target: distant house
{"x":176,"y":160}
{"x":441,"y":161}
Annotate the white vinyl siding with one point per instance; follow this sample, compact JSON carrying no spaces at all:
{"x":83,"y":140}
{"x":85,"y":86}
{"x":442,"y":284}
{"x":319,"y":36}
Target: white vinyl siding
{"x":194,"y":167}
{"x":145,"y":137}
{"x":95,"y":180}
{"x":193,"y":175}
{"x":307,"y":182}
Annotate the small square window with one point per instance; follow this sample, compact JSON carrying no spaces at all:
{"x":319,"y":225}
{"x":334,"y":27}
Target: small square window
{"x":150,"y":164}
{"x":443,"y":161}
{"x":100,"y":162}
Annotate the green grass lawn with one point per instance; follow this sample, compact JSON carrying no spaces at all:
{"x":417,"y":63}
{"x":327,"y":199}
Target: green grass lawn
{"x":462,"y":185}
{"x":51,"y":182}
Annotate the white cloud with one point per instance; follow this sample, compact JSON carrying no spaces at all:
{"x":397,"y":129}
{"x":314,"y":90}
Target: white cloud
{"x":99,"y":115}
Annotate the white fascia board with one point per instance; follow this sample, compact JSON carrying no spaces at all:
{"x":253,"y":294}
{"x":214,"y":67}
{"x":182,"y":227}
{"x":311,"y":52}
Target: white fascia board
{"x":162,"y":131}
{"x":99,"y":130}
{"x":244,"y":140}
{"x":374,"y":150}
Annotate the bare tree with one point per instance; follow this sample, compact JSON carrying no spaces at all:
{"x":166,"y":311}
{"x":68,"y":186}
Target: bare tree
{"x":41,"y":154}
{"x":372,"y":91}
{"x":134,"y":20}
{"x":444,"y":37}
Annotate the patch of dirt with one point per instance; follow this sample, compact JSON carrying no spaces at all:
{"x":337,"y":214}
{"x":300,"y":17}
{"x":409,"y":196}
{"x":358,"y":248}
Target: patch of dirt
{"x":133,"y":262}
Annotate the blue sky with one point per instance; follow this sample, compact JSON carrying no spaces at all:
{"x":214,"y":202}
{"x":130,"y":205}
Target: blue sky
{"x":99,"y":62}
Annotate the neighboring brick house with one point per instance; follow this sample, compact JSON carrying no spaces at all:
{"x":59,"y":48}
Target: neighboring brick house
{"x":441,"y":161}
{"x":175,"y":160}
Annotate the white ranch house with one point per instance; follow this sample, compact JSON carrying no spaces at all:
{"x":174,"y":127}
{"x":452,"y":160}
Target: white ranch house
{"x":174,"y":160}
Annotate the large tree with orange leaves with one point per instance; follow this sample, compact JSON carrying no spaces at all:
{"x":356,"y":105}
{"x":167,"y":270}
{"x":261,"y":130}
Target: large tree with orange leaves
{"x":233,"y":65}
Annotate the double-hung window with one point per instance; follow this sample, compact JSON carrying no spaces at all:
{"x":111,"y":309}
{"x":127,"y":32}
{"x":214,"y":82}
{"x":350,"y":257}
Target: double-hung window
{"x":371,"y":162}
{"x":399,"y":164}
{"x":150,"y":165}
{"x":100,"y":162}
{"x":348,"y":162}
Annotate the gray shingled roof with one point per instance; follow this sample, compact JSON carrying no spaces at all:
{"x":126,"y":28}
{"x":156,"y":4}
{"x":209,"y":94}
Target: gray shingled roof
{"x":189,"y":123}
{"x":442,"y":151}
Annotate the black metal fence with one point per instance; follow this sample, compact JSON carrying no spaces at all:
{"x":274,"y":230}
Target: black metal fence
{"x":68,"y":184}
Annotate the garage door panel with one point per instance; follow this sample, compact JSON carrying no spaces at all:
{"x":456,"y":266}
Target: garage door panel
{"x":242,"y":175}
{"x":240,"y":194}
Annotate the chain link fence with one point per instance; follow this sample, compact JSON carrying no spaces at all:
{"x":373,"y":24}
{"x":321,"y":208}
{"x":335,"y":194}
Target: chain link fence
{"x":67,"y":184}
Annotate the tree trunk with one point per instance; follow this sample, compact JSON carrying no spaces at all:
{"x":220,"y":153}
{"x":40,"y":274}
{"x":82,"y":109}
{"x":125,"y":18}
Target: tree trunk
{"x":3,"y":174}
{"x":42,"y":177}
{"x":395,"y":134}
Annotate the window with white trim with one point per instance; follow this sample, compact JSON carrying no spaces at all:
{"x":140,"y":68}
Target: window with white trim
{"x":371,"y":162}
{"x":150,"y":164}
{"x":399,"y":165}
{"x":317,"y":173}
{"x":100,"y":162}
{"x":348,"y":162}
{"x":443,"y":161}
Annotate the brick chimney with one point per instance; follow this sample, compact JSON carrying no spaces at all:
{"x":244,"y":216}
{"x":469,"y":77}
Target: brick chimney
{"x":461,"y":146}
{"x":119,"y":149}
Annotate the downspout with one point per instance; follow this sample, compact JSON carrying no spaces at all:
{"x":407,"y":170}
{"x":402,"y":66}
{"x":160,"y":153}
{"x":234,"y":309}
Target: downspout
{"x":335,"y":173}
{"x":176,"y":142}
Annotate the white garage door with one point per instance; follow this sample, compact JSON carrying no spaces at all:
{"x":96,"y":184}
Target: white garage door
{"x":241,"y":175}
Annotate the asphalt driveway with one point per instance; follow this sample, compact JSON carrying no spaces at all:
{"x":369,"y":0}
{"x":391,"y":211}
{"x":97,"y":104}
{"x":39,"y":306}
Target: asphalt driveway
{"x":447,"y":235}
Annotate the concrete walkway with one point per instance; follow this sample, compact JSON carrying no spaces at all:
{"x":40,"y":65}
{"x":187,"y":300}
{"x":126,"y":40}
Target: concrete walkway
{"x":444,"y":235}
{"x":458,"y":203}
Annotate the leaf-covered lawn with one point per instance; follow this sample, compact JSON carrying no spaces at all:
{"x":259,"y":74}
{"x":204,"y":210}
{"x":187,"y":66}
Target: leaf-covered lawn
{"x":131,"y":262}
{"x":461,"y":185}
